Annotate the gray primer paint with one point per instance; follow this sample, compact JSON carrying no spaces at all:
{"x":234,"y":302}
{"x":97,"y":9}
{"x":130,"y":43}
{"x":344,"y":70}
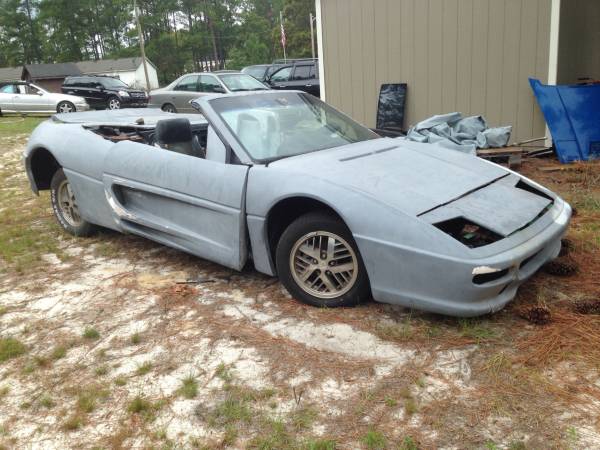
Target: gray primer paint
{"x":387,"y":191}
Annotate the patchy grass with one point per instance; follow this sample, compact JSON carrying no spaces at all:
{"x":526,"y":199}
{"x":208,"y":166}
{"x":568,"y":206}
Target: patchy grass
{"x":144,"y":369}
{"x":101,"y":370}
{"x":144,"y":407}
{"x":136,"y":338}
{"x":91,"y":334}
{"x":59,"y":352}
{"x":47,"y":401}
{"x":120,"y":380}
{"x":374,"y":440}
{"x":11,"y":348}
{"x":189,"y":387}
{"x":13,"y":125}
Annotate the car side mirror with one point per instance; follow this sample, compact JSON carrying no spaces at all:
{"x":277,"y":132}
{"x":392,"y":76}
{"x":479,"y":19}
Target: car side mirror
{"x":40,"y":93}
{"x":219,"y":90}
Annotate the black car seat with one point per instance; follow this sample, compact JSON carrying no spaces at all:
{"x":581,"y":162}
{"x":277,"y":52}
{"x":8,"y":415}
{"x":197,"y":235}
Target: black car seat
{"x":176,"y":135}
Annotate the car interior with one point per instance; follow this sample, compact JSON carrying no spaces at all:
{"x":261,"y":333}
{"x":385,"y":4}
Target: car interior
{"x":176,"y":135}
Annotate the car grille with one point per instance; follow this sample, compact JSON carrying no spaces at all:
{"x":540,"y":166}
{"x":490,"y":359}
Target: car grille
{"x":137,"y":95}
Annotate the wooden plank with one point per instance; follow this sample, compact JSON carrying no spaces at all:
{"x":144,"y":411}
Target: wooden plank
{"x":499,"y":151}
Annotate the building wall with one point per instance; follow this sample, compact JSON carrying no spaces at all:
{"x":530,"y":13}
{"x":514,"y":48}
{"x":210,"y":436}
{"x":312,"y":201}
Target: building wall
{"x":472,"y":56}
{"x":579,"y":40}
{"x":50,"y":84}
{"x":140,"y":77}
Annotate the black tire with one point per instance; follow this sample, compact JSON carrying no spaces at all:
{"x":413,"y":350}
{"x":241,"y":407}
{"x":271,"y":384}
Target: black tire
{"x":169,"y":107}
{"x":76,"y":228}
{"x":113,"y":102}
{"x":319,"y":221}
{"x":65,"y":107}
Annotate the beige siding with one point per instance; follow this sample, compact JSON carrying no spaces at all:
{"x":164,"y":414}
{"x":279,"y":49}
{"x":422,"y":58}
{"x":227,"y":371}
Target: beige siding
{"x":472,"y":56}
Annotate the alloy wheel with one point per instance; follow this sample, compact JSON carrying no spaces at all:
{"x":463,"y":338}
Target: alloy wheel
{"x":323,"y":264}
{"x":68,"y":206}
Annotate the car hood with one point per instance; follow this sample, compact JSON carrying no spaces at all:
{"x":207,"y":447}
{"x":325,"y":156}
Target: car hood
{"x":411,"y":177}
{"x":124,"y":117}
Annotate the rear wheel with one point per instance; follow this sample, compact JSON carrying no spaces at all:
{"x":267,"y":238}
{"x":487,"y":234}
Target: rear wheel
{"x":65,"y":206}
{"x":168,"y":107}
{"x":319,"y":264}
{"x":65,"y":107}
{"x":114,"y":103}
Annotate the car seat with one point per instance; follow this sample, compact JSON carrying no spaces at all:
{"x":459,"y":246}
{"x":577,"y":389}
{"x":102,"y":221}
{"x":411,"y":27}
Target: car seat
{"x":176,"y":135}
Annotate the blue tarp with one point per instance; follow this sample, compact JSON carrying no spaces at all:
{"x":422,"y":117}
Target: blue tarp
{"x":572,"y":113}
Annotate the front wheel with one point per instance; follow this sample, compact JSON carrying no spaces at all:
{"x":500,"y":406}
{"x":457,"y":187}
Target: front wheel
{"x":319,"y":264}
{"x":114,"y":103}
{"x":65,"y":206}
{"x":65,"y":107}
{"x":168,"y":107}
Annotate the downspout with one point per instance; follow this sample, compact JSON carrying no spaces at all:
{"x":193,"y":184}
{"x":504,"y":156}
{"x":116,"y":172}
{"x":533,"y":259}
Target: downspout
{"x":321,"y":55}
{"x":553,"y":53}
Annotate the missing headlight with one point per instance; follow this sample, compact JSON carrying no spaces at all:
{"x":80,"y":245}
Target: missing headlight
{"x":467,"y":232}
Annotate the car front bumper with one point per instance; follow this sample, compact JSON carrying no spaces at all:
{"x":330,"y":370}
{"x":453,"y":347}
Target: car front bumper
{"x":440,"y":284}
{"x":80,"y":107}
{"x":134,"y":102}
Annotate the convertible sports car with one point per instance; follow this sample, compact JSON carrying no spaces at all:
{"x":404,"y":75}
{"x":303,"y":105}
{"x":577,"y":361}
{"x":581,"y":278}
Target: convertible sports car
{"x":337,"y":212}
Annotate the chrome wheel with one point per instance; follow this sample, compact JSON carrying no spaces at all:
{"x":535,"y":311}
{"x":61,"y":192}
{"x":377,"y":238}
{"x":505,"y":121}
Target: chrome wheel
{"x":114,"y":103}
{"x":67,"y":204}
{"x":323,"y":264}
{"x":66,"y":107}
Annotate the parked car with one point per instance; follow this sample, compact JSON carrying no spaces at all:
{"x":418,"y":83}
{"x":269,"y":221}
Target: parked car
{"x":261,"y":71}
{"x":24,"y":97}
{"x":176,"y":96}
{"x":301,"y":74}
{"x":336,"y":211}
{"x":105,"y":92}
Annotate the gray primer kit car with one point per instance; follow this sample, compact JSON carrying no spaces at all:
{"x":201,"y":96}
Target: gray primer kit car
{"x":338,"y":213}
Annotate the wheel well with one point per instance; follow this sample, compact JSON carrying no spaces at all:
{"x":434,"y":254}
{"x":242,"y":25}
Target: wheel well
{"x":43,"y":167}
{"x":288,"y":210}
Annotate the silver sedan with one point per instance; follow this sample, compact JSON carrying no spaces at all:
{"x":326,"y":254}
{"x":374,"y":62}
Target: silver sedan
{"x":176,"y":97}
{"x":27,"y":98}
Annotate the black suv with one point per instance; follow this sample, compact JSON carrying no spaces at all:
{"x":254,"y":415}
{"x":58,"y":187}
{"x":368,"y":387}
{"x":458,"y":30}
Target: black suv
{"x":297,"y":74}
{"x":105,"y":92}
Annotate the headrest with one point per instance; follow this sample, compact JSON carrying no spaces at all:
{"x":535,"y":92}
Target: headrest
{"x":173,"y":131}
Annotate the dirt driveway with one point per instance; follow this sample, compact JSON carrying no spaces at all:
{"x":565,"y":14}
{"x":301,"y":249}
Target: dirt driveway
{"x":116,"y":342}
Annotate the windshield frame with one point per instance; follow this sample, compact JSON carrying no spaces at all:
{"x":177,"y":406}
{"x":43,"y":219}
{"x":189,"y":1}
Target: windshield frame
{"x":266,"y":161}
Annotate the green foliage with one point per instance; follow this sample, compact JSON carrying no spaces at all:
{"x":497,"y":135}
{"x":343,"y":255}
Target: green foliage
{"x":180,"y":35}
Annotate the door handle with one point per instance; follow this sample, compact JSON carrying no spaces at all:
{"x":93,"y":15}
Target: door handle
{"x":309,"y":85}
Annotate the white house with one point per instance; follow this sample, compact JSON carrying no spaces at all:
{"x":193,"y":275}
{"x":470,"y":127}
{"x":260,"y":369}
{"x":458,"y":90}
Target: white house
{"x":128,"y":70}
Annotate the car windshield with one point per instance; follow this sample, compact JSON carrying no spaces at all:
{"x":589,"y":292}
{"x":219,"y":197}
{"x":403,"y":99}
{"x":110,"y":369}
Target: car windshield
{"x":242,"y":82}
{"x":255,"y":71}
{"x":283,"y":124}
{"x":113,"y":83}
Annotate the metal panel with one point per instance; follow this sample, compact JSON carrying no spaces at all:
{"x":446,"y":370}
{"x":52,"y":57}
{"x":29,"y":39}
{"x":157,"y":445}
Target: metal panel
{"x":472,"y":56}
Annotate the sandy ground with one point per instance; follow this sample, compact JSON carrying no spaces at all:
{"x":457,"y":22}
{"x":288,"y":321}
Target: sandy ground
{"x":374,"y":369}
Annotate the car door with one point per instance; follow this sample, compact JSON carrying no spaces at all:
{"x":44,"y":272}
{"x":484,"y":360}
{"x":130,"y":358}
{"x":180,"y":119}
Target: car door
{"x":29,"y":100}
{"x":7,"y":94}
{"x":300,"y":78}
{"x":186,"y":202}
{"x":281,"y":78}
{"x":39,"y":100}
{"x":187,"y":89}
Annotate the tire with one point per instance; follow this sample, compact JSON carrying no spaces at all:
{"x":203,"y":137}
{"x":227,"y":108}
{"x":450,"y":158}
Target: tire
{"x":168,"y":107}
{"x":67,"y":215}
{"x":65,"y":107}
{"x":113,"y":103}
{"x":326,"y":285}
